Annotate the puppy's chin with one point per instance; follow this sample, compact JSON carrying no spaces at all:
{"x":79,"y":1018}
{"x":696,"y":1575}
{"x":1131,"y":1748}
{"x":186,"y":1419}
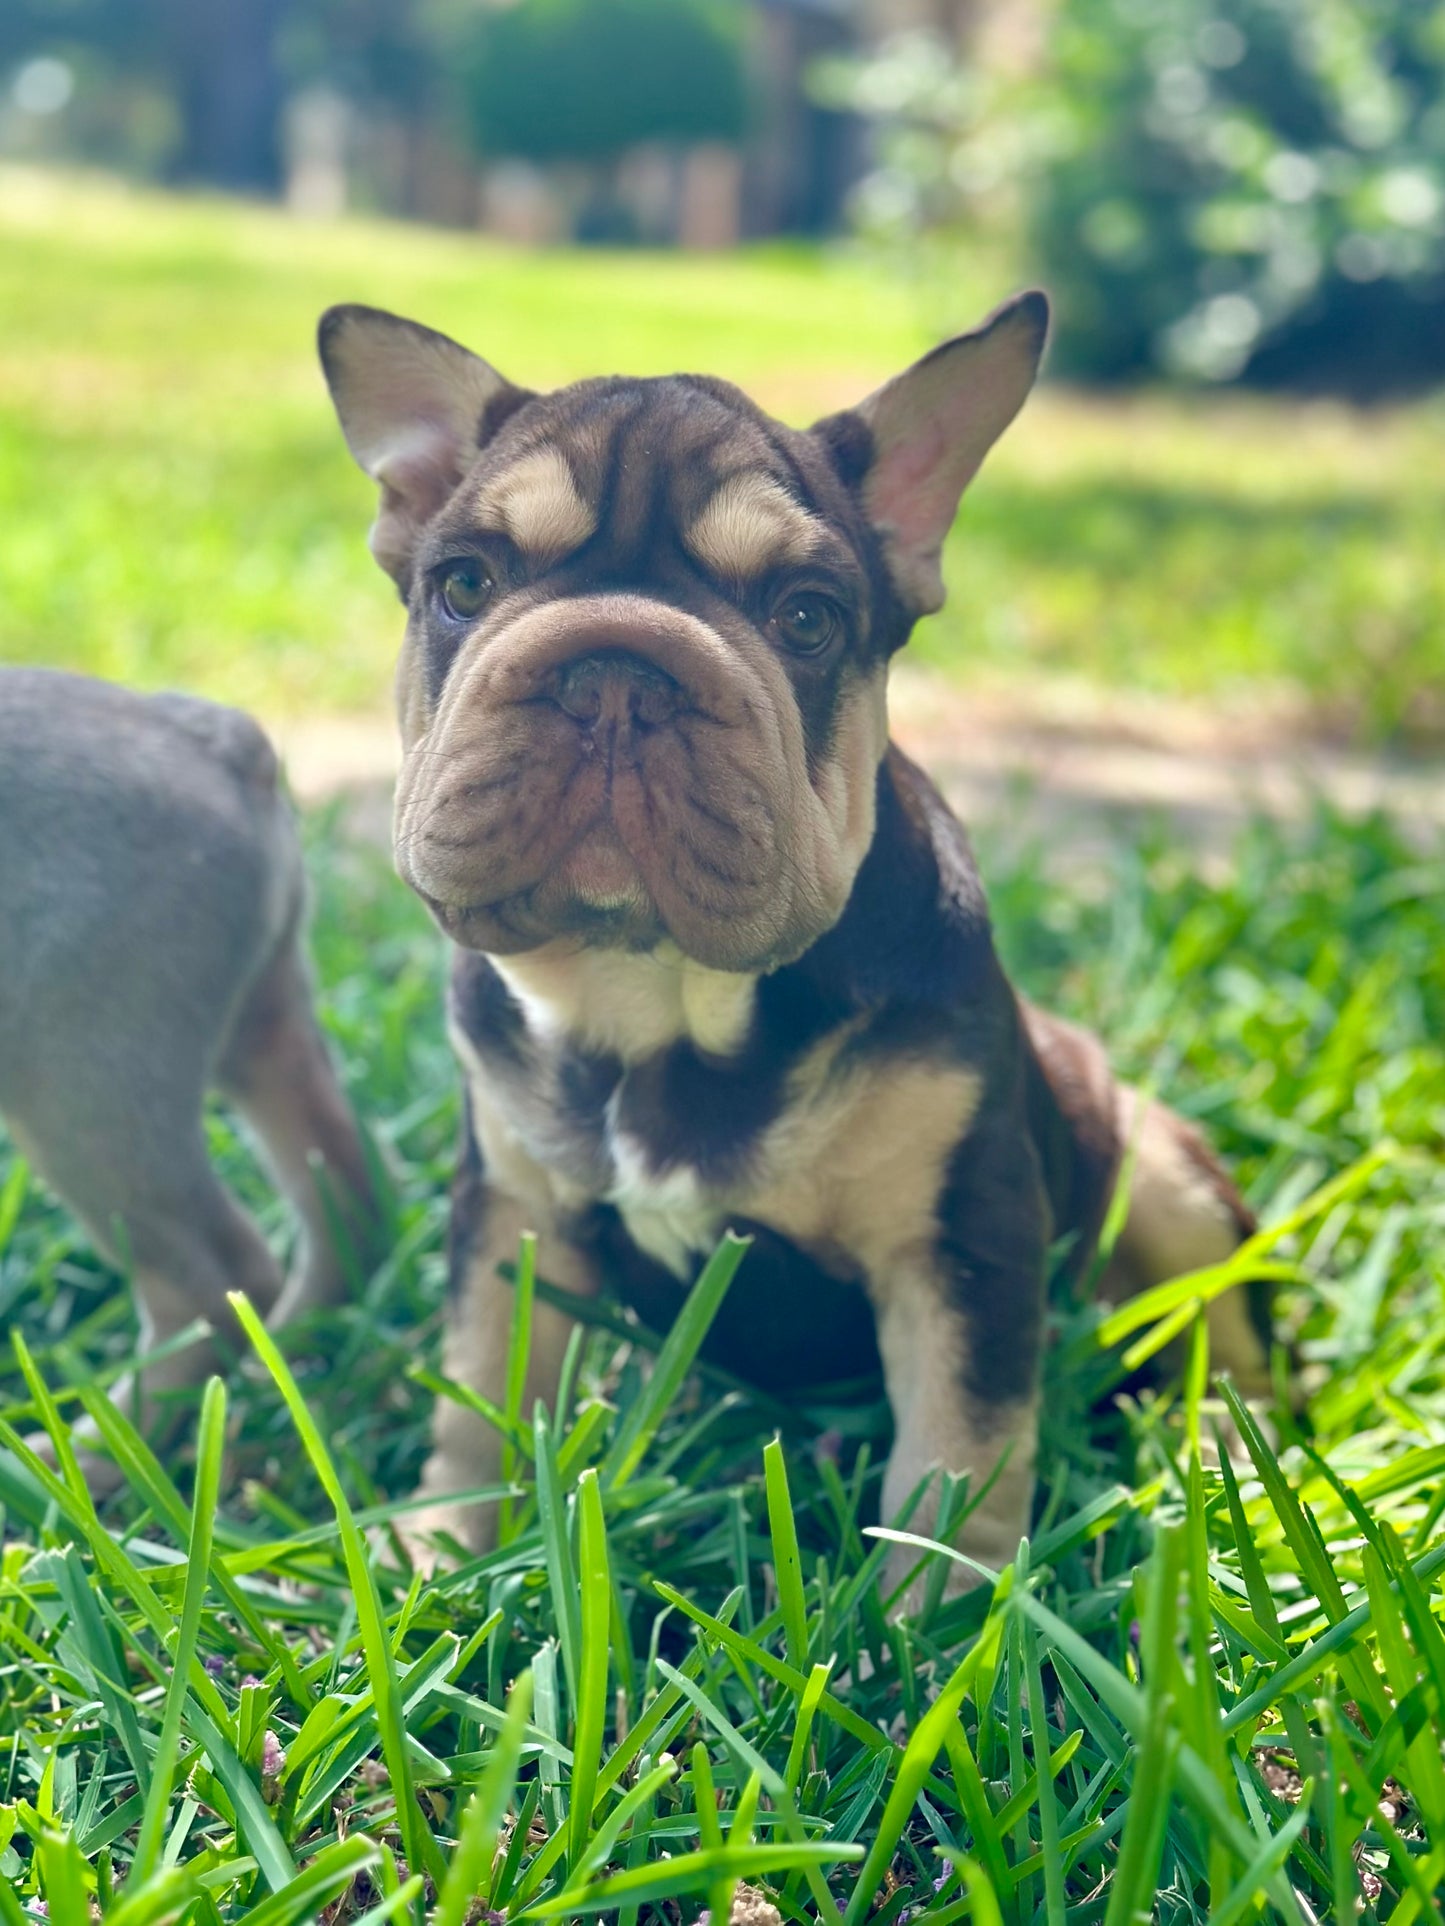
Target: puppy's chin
{"x":599,"y":886}
{"x":594,"y":905}
{"x":590,"y":889}
{"x":520,"y":924}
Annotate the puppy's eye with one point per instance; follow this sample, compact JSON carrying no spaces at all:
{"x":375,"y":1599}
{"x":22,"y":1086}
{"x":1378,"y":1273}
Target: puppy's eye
{"x":465,"y":589}
{"x":807,"y":622}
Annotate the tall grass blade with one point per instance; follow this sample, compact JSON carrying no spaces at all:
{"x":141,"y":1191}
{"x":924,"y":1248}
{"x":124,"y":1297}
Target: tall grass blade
{"x":919,"y":1754}
{"x":210,"y":1447}
{"x":469,"y":1875}
{"x":593,"y":1662}
{"x":519,"y":1353}
{"x":787,"y":1561}
{"x":421,"y":1849}
{"x":640,"y":1425}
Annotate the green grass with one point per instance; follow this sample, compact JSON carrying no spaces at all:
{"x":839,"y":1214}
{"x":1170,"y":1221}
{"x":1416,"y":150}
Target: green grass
{"x":178,"y":507}
{"x":1201,"y":1692}
{"x":1184,"y":1702}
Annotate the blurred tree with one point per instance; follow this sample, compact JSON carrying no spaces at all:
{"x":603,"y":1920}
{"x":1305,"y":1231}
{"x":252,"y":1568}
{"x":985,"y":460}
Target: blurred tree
{"x":430,"y":85}
{"x":190,"y":87}
{"x":229,"y":88}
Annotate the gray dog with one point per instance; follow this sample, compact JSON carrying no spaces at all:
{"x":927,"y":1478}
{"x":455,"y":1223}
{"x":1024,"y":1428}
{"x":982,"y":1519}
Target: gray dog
{"x":151,"y":902}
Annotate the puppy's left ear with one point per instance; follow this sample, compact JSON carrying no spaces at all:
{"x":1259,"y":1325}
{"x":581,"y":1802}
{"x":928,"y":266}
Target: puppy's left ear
{"x":917,"y":442}
{"x":415,"y":407}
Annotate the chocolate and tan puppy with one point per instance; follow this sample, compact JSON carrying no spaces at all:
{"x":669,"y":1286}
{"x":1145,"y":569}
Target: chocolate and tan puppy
{"x":722,"y":953}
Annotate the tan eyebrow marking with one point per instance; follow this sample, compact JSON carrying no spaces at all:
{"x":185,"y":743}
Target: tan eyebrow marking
{"x":749,"y":524}
{"x":537,"y":503}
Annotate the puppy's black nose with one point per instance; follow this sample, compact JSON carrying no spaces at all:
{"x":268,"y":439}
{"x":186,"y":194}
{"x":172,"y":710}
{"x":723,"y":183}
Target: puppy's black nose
{"x":614,"y":687}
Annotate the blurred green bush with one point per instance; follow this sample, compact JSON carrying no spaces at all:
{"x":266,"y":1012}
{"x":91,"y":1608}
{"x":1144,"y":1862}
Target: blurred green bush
{"x":582,"y":79}
{"x":1214,"y":189}
{"x":1250,"y":187}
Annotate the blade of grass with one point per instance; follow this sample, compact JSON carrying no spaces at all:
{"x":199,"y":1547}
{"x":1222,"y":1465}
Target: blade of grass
{"x":470,"y":1871}
{"x":210,"y":1447}
{"x":421,"y":1847}
{"x":691,"y":1871}
{"x":757,"y":1767}
{"x":323,"y":1878}
{"x":1249,"y":1260}
{"x":710,"y":1837}
{"x":1317,"y":1654}
{"x":593,"y":1662}
{"x":1135,"y":1880}
{"x":987,"y":1832}
{"x":751,"y":1653}
{"x":146,"y":1476}
{"x":787,"y":1562}
{"x":629,"y":1808}
{"x":919,"y":1753}
{"x":557,"y":1549}
{"x":1303,"y":1536}
{"x":639,"y":1427}
{"x":519,"y":1352}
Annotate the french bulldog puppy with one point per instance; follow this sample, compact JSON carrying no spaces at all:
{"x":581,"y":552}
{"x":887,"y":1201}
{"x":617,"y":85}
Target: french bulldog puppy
{"x":722,"y":955}
{"x":151,"y":903}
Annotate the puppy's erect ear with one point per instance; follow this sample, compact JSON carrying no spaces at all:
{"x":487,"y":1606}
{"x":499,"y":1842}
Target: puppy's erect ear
{"x":415,"y":408}
{"x":928,"y":431}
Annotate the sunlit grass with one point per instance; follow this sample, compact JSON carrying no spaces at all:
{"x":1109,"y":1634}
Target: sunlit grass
{"x":677,"y":1668}
{"x":178,"y":506}
{"x":1202,"y":1692}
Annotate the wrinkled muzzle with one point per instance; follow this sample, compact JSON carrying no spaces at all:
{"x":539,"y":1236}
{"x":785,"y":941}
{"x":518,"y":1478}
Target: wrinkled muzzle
{"x":610,"y":768}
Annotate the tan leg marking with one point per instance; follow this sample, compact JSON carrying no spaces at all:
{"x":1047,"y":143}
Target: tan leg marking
{"x":939,"y":1428}
{"x":866,"y":1152}
{"x":466,"y":1450}
{"x":858,"y":1159}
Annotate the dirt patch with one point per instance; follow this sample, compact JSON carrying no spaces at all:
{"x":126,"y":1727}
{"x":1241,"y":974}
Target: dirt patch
{"x":1076,"y":771}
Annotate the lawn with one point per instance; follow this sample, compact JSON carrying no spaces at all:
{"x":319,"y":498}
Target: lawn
{"x":178,"y":507}
{"x":1209,"y":1689}
{"x":1237,"y":1680}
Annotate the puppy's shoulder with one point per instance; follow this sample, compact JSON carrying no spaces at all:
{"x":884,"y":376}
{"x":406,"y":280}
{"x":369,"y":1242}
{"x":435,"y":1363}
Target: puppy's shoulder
{"x":916,"y":932}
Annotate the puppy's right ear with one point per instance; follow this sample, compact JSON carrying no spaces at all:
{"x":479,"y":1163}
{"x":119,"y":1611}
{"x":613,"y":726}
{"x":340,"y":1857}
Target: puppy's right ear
{"x":415,"y":408}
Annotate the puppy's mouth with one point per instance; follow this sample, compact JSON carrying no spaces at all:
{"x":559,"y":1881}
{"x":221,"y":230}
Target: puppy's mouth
{"x":594,"y":892}
{"x":611,"y":770}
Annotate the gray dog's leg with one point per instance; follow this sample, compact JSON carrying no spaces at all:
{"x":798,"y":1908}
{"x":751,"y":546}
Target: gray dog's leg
{"x":141,"y":1181}
{"x":276,"y":1070}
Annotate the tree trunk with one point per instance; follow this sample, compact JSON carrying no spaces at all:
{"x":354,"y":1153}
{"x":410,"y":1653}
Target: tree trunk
{"x":229,"y":91}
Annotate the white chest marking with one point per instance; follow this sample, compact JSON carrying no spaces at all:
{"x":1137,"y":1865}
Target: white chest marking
{"x":668,"y":1215}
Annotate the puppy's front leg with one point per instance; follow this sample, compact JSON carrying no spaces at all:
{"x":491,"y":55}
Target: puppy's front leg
{"x":959,"y":1329}
{"x":487,"y":1227}
{"x":944,"y":1421}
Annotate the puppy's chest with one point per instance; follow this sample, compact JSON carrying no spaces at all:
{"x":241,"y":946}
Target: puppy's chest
{"x":840,"y":1149}
{"x":676,"y":1144}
